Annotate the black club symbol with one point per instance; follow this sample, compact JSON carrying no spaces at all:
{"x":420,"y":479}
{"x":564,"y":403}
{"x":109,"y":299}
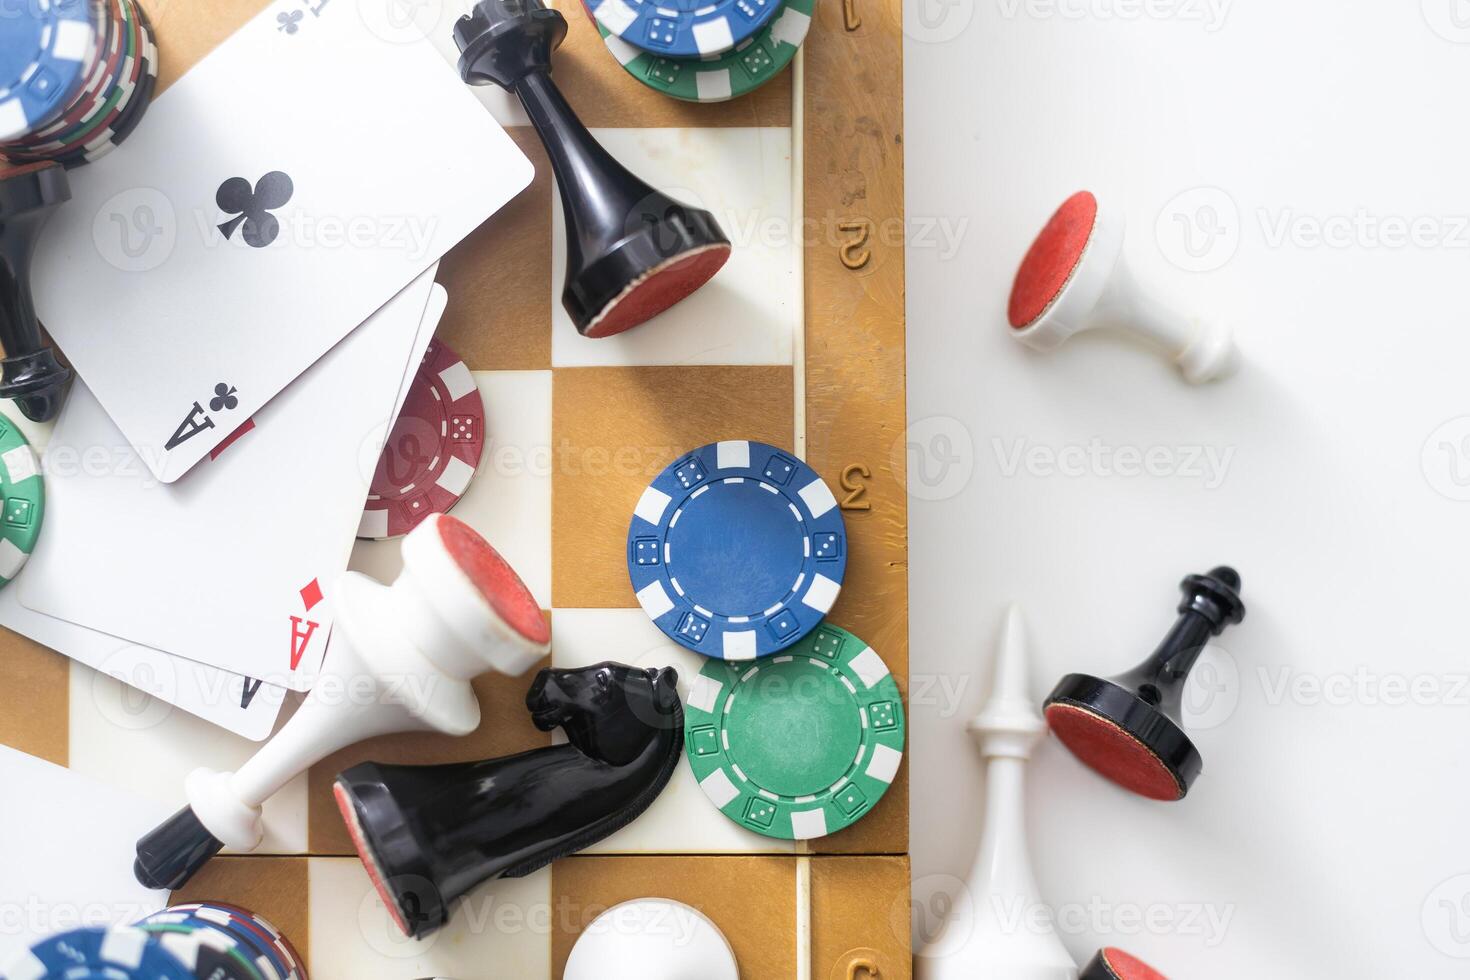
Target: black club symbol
{"x":290,"y":22}
{"x":224,"y":397}
{"x":252,"y":207}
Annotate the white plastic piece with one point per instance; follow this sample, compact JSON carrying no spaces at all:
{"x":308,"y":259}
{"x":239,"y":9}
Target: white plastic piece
{"x":401,"y":659}
{"x":1103,"y":292}
{"x":981,"y":940}
{"x":652,"y":939}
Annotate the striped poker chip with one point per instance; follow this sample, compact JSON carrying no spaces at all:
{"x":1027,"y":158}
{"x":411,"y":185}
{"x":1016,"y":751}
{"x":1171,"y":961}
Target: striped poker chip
{"x":717,"y":78}
{"x":685,"y":30}
{"x":246,"y":935}
{"x":48,"y":48}
{"x":432,"y":452}
{"x":799,"y":745}
{"x":22,"y":500}
{"x":114,"y":42}
{"x":97,"y":954}
{"x":112,"y":102}
{"x":737,"y":550}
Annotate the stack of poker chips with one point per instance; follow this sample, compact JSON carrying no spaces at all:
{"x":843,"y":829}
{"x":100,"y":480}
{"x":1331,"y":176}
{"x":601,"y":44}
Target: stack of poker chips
{"x":76,"y":76}
{"x":185,"y":942}
{"x":709,"y":53}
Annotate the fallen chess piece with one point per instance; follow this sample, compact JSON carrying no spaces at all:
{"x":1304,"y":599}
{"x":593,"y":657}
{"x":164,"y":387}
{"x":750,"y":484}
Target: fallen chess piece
{"x":651,"y":939}
{"x":31,"y":374}
{"x":632,"y":251}
{"x":429,"y":834}
{"x":407,"y":652}
{"x":988,"y":946}
{"x":1129,"y":728}
{"x":1075,"y":278}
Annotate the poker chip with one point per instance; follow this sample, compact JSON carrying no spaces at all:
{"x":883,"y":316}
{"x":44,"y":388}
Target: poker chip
{"x":208,"y":953}
{"x":431,"y":454}
{"x":109,"y":106}
{"x":113,"y":44}
{"x":123,"y":953}
{"x":799,"y":745}
{"x":739,"y":71}
{"x":246,"y":936}
{"x":47,"y":50}
{"x":116,"y":84}
{"x":22,"y":500}
{"x":737,"y":550}
{"x":686,"y":29}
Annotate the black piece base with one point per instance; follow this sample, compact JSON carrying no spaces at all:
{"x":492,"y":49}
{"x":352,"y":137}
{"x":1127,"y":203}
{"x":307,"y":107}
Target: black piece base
{"x":174,"y":851}
{"x":31,"y":374}
{"x":37,"y":383}
{"x":662,"y":231}
{"x":1145,"y":723}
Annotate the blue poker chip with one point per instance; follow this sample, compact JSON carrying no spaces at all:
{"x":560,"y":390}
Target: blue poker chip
{"x":737,"y":550}
{"x":97,"y":954}
{"x":684,"y":28}
{"x":47,"y":49}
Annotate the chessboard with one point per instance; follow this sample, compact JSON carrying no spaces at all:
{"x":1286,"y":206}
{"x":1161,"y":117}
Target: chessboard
{"x":799,"y":342}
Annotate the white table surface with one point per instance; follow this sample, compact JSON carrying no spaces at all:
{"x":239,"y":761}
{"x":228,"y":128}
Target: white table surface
{"x":1328,"y":836}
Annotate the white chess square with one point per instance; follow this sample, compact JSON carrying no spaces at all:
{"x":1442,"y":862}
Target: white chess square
{"x":501,"y":929}
{"x":122,"y":736}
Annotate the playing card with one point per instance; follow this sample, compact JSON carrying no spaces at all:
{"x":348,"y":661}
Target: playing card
{"x":277,"y":195}
{"x":242,"y":705}
{"x":232,"y":566}
{"x":239,"y":704}
{"x":66,"y":844}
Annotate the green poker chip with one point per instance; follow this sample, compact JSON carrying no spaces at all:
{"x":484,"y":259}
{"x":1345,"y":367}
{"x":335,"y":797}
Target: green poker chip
{"x":797,"y":745}
{"x":22,"y":500}
{"x":739,"y":71}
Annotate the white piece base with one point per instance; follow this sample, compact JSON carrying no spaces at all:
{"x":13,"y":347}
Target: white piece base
{"x":652,"y":939}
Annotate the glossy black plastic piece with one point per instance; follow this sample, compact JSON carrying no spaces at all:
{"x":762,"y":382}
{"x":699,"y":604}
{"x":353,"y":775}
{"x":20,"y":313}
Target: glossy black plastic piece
{"x":174,"y":851}
{"x":1147,"y":701}
{"x":432,"y":833}
{"x":1097,"y":968}
{"x":619,"y":228}
{"x":29,"y":373}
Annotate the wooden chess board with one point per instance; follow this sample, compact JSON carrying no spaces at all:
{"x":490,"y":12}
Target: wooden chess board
{"x":799,"y":342}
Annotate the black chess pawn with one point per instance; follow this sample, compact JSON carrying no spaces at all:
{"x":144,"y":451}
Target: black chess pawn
{"x":30,"y":373}
{"x":632,"y":251}
{"x":1129,"y":727}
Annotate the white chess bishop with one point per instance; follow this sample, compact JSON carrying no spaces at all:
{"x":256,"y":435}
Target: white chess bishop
{"x":984,"y":938}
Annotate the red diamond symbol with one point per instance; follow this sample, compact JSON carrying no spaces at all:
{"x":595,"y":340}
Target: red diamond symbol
{"x":311,"y":595}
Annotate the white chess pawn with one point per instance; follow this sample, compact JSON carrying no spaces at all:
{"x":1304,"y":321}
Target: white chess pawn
{"x":1001,"y":889}
{"x":1075,"y":278}
{"x":651,"y":939}
{"x":401,"y":659}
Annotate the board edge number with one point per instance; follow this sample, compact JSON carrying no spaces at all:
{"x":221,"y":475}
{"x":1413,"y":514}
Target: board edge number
{"x":855,"y":252}
{"x":851,"y":475}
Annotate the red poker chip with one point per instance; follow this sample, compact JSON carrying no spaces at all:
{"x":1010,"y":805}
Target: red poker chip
{"x":432,"y":452}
